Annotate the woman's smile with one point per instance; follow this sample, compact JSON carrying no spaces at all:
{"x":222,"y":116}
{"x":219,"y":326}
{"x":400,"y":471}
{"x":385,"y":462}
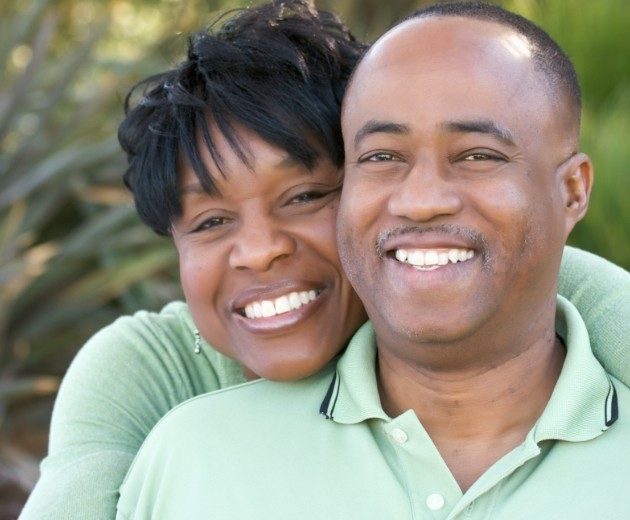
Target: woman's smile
{"x":274,"y":315}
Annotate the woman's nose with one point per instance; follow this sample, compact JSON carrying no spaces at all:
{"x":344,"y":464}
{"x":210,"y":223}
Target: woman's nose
{"x":259,"y":243}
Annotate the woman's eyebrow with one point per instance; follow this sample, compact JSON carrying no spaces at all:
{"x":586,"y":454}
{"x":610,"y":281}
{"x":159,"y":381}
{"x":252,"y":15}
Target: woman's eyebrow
{"x":197,"y":189}
{"x":191,"y":189}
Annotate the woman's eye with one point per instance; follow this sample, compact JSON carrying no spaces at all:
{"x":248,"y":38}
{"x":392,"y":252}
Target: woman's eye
{"x":307,"y":196}
{"x":210,"y":223}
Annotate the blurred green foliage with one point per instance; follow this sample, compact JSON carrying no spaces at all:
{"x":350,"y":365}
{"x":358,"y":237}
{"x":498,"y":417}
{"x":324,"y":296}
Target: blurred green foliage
{"x":594,"y":35}
{"x":73,"y":255}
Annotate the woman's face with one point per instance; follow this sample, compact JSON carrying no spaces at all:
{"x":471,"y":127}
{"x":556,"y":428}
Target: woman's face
{"x":259,"y":264}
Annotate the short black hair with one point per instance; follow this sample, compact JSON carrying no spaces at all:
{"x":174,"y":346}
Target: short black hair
{"x":548,"y":57}
{"x":279,"y":70}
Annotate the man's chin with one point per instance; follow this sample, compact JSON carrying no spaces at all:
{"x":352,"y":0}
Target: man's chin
{"x":423,"y":331}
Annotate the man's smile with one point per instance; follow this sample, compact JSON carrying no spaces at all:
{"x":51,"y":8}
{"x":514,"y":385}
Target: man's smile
{"x":425,"y":259}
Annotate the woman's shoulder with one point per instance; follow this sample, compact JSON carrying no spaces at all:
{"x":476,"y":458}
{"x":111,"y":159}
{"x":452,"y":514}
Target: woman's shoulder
{"x":120,"y":384}
{"x":135,"y":370}
{"x":171,"y":323}
{"x":144,"y":339}
{"x":128,"y":376}
{"x":161,"y":342}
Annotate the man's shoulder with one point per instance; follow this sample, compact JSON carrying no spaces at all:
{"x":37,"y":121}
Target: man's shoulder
{"x":622,"y":405}
{"x":255,"y":404}
{"x":204,"y":436}
{"x":609,"y":448}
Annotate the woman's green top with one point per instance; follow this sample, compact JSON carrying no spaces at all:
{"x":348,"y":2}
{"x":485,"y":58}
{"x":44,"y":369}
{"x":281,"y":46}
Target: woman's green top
{"x":131,"y":373}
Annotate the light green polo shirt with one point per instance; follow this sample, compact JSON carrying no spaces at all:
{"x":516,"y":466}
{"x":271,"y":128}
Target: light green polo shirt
{"x":323,"y":448}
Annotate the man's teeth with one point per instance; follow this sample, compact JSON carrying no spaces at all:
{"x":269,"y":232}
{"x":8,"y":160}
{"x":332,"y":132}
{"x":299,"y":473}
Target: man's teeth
{"x":433,"y":257}
{"x":286,"y":303}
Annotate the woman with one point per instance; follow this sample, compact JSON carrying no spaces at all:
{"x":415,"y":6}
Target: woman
{"x":236,"y":156}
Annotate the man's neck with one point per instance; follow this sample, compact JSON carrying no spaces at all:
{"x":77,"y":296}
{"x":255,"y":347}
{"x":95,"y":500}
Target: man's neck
{"x":475,"y":415}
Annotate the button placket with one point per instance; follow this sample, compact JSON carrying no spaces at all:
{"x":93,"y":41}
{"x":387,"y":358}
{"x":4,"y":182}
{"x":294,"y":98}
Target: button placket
{"x":399,"y":436}
{"x":435,"y":501}
{"x":431,"y":488}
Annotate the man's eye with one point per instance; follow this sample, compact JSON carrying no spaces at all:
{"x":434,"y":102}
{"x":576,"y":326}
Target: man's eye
{"x":378,"y":157}
{"x":480,"y":156}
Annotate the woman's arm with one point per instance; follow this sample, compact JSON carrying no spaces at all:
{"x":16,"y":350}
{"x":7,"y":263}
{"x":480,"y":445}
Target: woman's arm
{"x":601,"y":292}
{"x":121,"y":383}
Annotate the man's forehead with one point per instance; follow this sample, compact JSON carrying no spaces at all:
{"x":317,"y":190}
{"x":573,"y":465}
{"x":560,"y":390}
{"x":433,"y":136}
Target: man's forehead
{"x":469,"y":67}
{"x":433,"y":40}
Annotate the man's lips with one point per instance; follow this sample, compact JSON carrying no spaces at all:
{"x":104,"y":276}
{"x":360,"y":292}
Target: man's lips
{"x":430,"y":247}
{"x":432,"y":258}
{"x":428,"y":251}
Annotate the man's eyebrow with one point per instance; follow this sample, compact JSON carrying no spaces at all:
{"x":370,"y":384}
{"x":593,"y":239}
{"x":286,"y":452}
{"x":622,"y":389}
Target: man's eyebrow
{"x":481,"y":126}
{"x":375,"y":127}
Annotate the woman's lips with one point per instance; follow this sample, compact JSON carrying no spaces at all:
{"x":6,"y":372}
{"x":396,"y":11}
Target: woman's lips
{"x":287,"y":302}
{"x":286,"y":310}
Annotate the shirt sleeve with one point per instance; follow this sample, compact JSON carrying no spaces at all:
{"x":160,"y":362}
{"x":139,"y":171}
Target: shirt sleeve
{"x":122,"y":382}
{"x":601,"y":292}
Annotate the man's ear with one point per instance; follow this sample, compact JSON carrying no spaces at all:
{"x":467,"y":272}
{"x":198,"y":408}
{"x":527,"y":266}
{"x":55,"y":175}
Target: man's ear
{"x":575,"y":176}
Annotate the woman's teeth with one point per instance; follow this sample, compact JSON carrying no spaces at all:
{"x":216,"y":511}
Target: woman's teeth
{"x":432,"y":258}
{"x":285,"y":303}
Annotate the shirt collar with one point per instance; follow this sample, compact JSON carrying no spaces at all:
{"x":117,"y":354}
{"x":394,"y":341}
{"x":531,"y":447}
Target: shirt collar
{"x":584,"y":401}
{"x":582,"y":405}
{"x":352,"y":395}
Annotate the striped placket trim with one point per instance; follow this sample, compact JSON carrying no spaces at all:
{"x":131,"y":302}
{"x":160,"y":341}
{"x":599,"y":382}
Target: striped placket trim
{"x":328,"y":404}
{"x":611,"y":409}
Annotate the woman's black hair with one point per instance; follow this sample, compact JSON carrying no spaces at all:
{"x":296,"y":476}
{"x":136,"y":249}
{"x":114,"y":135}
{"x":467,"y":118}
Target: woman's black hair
{"x":279,"y":70}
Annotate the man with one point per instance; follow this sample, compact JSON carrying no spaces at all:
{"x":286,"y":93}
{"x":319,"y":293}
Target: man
{"x":475,"y":395}
{"x":479,"y":159}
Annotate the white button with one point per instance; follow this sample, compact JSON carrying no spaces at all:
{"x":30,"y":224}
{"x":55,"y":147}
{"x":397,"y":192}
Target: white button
{"x":399,"y":436}
{"x":435,"y":502}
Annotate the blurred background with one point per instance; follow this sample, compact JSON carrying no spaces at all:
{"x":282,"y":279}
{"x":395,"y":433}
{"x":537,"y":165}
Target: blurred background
{"x":73,"y":255}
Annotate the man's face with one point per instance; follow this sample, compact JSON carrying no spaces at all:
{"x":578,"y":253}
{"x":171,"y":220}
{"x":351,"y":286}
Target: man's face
{"x":454,"y":207}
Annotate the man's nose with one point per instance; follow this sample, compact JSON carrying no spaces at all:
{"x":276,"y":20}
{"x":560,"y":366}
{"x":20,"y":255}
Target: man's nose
{"x":425,"y":193}
{"x":259,"y":243}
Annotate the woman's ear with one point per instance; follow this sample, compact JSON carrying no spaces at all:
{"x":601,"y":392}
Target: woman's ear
{"x":576,"y":179}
